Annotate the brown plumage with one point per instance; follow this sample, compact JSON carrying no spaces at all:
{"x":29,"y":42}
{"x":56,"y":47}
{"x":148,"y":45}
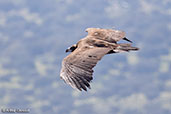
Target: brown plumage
{"x":77,"y":67}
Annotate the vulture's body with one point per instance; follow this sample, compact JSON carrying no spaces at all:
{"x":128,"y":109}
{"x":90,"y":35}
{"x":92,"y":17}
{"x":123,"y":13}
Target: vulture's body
{"x":77,"y":67}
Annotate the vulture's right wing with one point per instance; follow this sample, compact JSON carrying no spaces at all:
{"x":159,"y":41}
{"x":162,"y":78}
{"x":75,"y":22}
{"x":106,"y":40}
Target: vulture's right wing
{"x":109,"y":35}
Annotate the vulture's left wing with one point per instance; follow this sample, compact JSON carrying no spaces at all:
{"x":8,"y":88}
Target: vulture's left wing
{"x":77,"y":68}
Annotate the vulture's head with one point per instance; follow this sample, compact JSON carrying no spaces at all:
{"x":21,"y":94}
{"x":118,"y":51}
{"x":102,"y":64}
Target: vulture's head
{"x":71,"y":49}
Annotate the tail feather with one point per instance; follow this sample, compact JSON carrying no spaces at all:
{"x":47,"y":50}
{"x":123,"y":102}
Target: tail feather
{"x":125,"y":48}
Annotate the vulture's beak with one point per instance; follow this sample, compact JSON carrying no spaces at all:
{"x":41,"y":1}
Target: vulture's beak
{"x":71,"y":49}
{"x":68,"y":50}
{"x":127,"y":39}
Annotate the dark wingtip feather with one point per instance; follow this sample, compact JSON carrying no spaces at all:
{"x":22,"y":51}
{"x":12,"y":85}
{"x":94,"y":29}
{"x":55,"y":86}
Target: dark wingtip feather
{"x":85,"y":82}
{"x":76,"y":83}
{"x":80,"y":84}
{"x":127,"y":39}
{"x":83,"y":86}
{"x":88,"y":78}
{"x":134,"y":48}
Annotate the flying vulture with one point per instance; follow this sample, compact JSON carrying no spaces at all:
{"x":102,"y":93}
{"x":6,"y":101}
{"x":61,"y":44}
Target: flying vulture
{"x":77,"y":67}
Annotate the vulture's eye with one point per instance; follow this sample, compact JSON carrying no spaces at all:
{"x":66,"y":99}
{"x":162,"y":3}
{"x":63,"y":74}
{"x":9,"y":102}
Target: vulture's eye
{"x":96,"y":33}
